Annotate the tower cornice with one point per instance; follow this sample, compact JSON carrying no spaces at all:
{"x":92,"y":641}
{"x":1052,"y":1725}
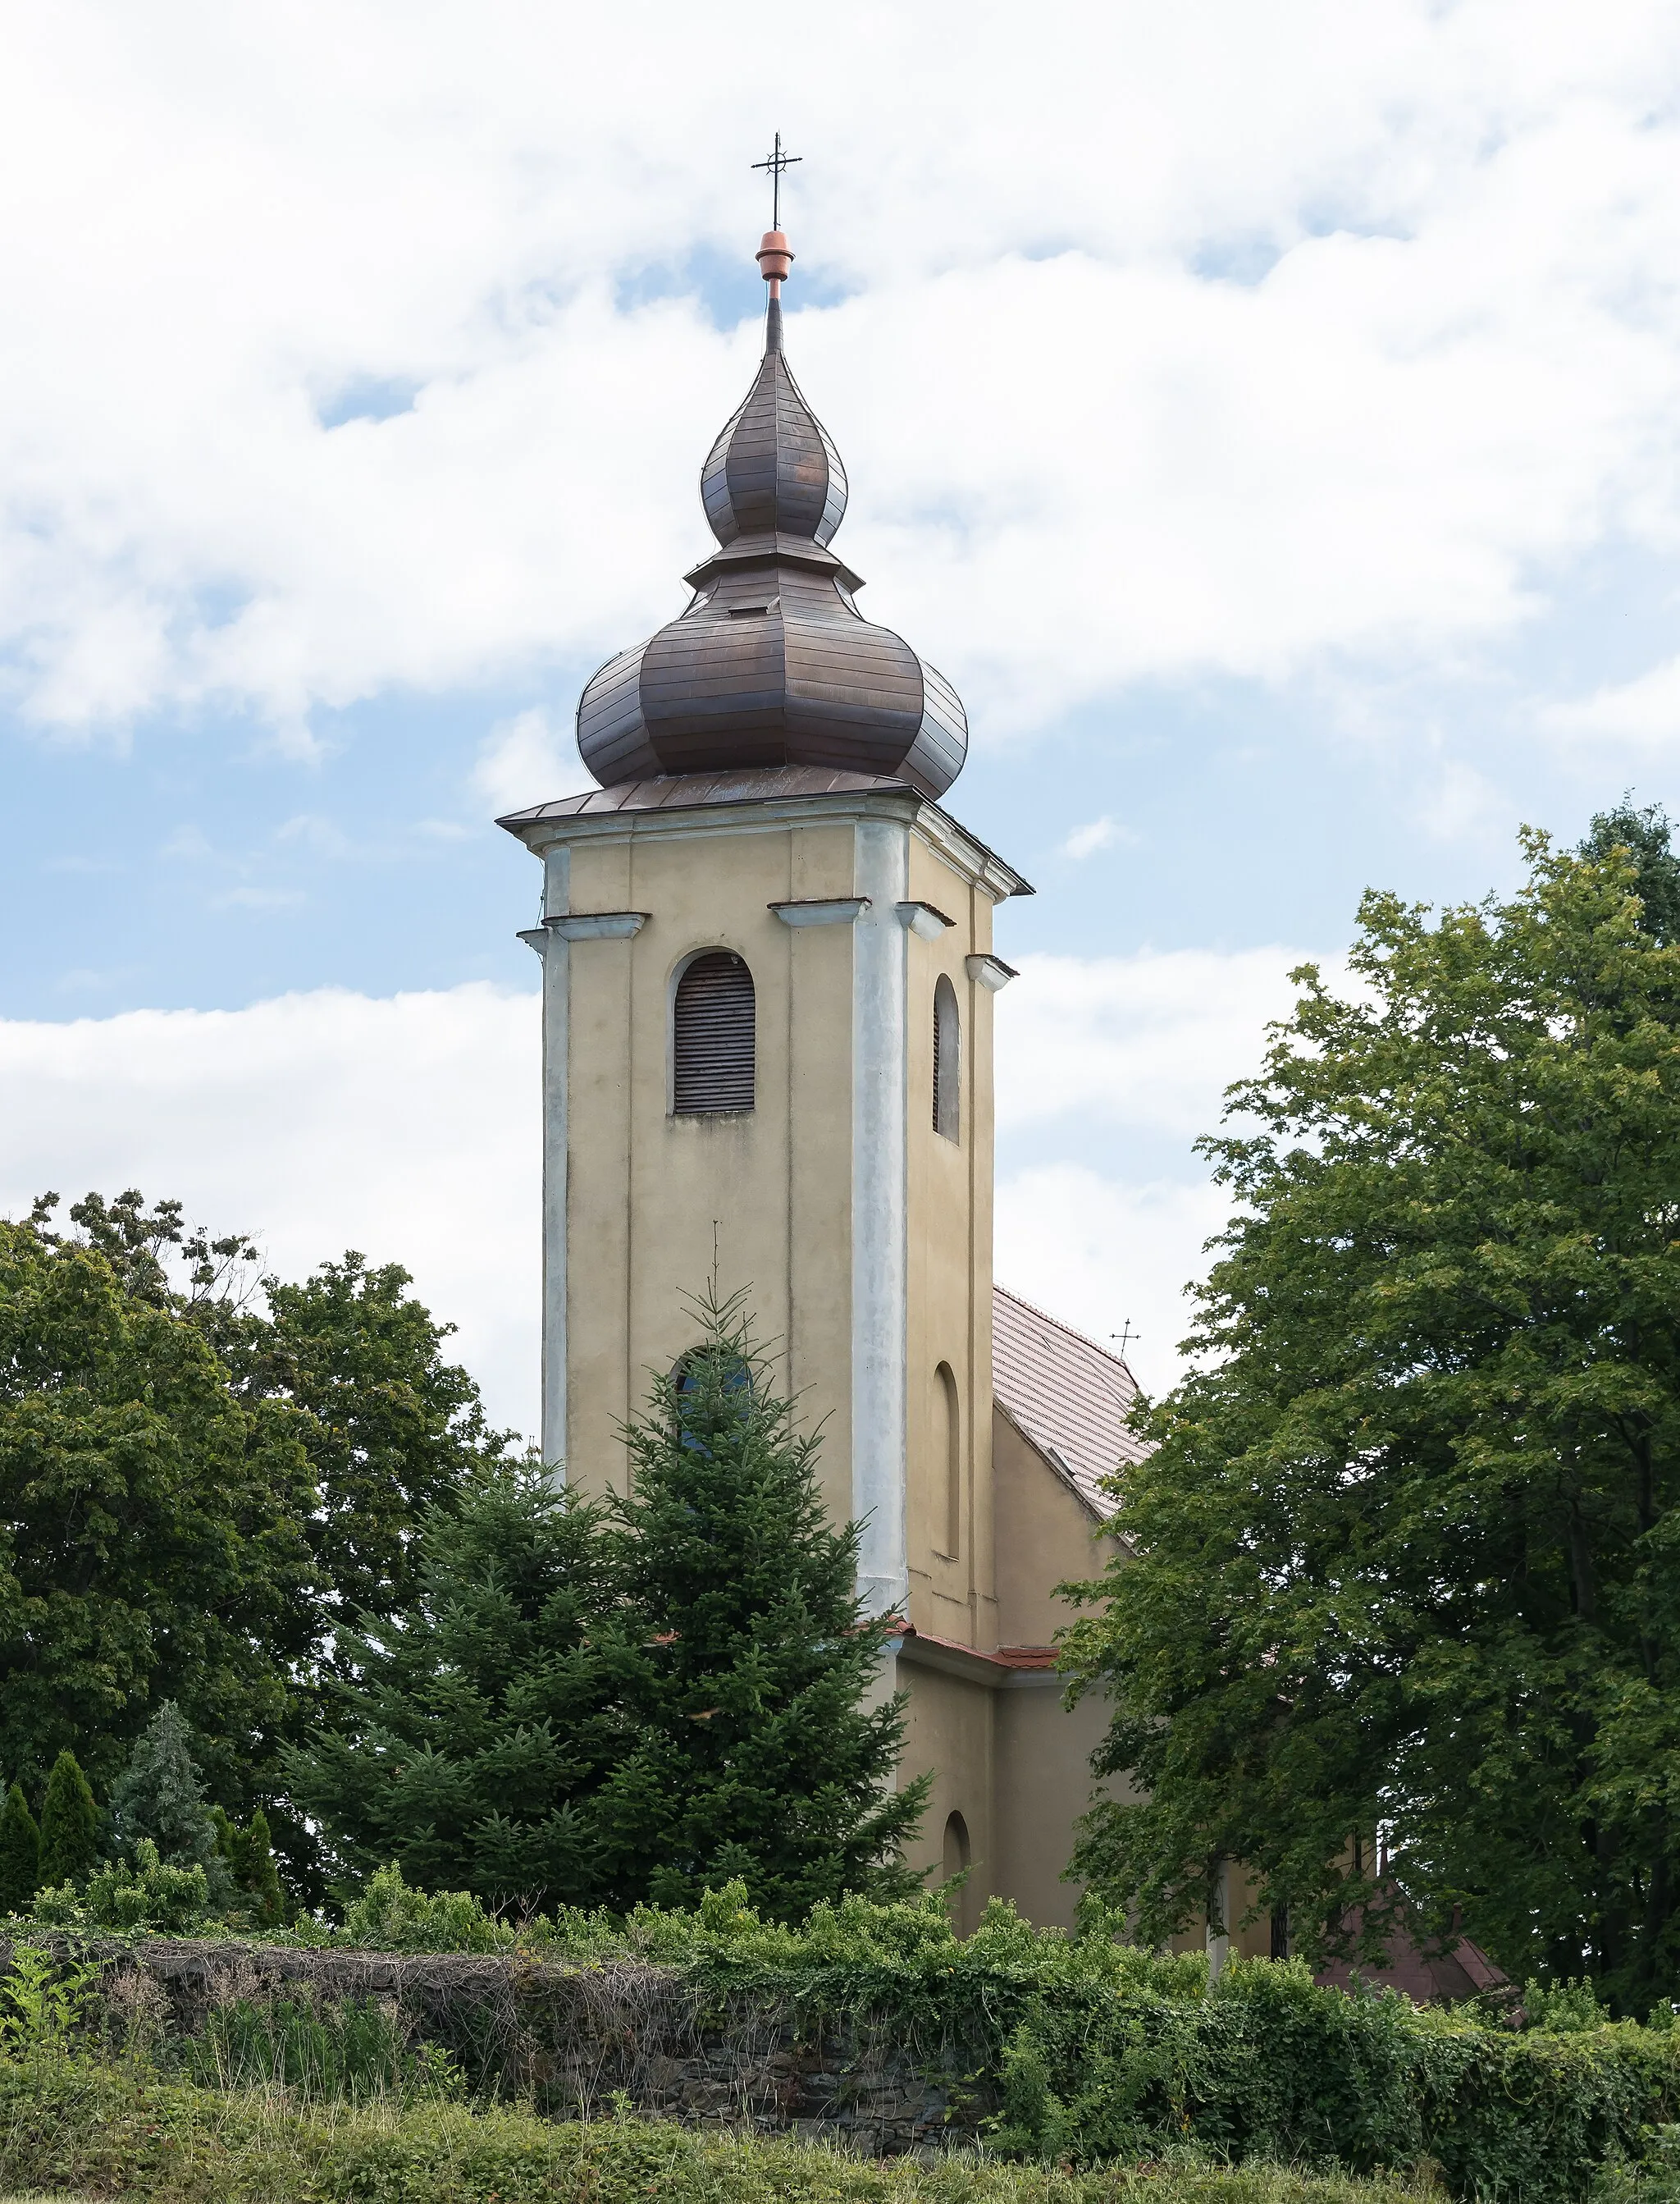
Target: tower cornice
{"x":685,"y":805}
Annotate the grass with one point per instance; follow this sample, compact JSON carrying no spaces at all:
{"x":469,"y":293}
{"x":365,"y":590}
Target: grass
{"x":73,"y":2131}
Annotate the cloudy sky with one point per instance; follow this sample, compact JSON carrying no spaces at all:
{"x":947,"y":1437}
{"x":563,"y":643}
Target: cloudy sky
{"x":1267,"y":417}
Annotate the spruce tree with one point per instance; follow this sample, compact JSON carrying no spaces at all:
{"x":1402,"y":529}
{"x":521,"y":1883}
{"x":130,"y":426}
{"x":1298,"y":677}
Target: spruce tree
{"x":20,"y":1853}
{"x":69,"y":1824}
{"x":159,"y":1795}
{"x":746,"y":1660}
{"x":468,"y":1739}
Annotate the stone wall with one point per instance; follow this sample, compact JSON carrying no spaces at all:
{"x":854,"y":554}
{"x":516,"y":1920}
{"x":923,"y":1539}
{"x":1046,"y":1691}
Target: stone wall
{"x":582,"y":2041}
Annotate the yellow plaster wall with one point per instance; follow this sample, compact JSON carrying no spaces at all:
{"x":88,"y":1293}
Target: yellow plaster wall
{"x":1046,"y":1751}
{"x":645,"y":1189}
{"x":948,"y":1224}
{"x":948,"y":1729}
{"x":1045,"y":1537}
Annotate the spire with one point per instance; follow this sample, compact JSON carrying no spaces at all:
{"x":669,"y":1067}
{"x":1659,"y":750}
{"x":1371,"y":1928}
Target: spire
{"x":774,"y":471}
{"x":772,"y":664}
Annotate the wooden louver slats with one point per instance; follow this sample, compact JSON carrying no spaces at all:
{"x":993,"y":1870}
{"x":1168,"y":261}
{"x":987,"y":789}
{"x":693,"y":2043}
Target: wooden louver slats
{"x":712,"y":1045}
{"x":947,"y":1061}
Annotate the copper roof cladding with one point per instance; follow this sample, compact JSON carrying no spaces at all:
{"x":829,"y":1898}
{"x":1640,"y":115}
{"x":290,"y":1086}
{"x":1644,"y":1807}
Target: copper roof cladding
{"x":771,"y":663}
{"x":1069,"y":1396}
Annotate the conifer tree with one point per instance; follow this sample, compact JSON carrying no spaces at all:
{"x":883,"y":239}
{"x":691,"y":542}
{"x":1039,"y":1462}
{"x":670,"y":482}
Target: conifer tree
{"x":255,"y":1878}
{"x":69,"y":1824}
{"x":747,"y":1664}
{"x":469,"y":1738}
{"x":20,"y":1853}
{"x":159,"y":1795}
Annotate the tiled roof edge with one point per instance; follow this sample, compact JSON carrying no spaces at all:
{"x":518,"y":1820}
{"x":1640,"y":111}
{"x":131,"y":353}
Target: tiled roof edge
{"x":1048,"y":1454}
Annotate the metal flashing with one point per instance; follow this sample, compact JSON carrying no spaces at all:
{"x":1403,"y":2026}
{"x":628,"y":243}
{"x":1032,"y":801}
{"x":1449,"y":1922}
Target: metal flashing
{"x":596,"y":925}
{"x":925,"y":920}
{"x":991,"y":973}
{"x":820,"y":910}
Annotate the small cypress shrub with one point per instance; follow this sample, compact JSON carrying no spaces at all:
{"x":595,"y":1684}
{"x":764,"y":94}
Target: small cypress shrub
{"x":20,"y":1853}
{"x":69,"y":1824}
{"x":250,"y":1861}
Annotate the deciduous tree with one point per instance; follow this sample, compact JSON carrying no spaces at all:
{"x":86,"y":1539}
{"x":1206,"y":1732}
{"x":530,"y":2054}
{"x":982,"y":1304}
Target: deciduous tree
{"x":151,"y":1541}
{"x":1403,"y":1564}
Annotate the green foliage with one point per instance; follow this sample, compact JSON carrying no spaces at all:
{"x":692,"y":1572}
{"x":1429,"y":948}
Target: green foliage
{"x":20,"y":1852}
{"x":477,"y":1731}
{"x":391,"y":1915}
{"x":169,"y":1898}
{"x":1075,"y":2050}
{"x":1408,"y":1534}
{"x":393,"y":1430}
{"x":256,"y":1879}
{"x":158,"y":1795}
{"x":1645,"y":836}
{"x":237,"y":1479}
{"x":578,"y":1712}
{"x":743,"y":1659}
{"x":113,"y":2129}
{"x":1566,"y":2008}
{"x":153,"y":1545}
{"x":41,"y":2001}
{"x":69,"y":1823}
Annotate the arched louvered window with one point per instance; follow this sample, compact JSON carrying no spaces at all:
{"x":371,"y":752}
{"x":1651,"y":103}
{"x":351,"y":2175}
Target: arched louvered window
{"x":947,"y":1061}
{"x":711,"y":1052}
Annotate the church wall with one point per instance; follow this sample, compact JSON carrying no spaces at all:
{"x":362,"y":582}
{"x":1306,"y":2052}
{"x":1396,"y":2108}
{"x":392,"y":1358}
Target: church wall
{"x":950,"y":1270}
{"x":645,"y":1187}
{"x":1043,"y":1785}
{"x":948,"y":1729}
{"x":1045,"y":1537}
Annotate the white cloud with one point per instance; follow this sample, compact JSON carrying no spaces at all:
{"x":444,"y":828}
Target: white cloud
{"x":1103,"y":1254}
{"x":1149,"y":1041}
{"x":1086,"y":841}
{"x":1645,"y":711}
{"x":408,"y":1127}
{"x":1460,"y":800}
{"x":1195,"y":358}
{"x":526,"y":759}
{"x":405,"y":1127}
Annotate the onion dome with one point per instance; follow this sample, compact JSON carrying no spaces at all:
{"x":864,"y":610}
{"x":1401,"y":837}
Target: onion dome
{"x":772,"y":663}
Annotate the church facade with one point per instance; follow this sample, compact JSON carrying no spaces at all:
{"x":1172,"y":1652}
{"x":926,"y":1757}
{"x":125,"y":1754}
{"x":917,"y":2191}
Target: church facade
{"x":769,"y":975}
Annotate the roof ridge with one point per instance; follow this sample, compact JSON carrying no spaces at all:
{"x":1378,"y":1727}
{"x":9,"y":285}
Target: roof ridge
{"x":1069,"y":1330}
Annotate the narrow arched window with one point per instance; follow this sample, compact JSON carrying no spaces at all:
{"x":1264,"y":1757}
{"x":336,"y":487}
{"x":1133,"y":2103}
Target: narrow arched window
{"x":947,"y":1061}
{"x":956,"y":1856}
{"x":712,"y":1052}
{"x":947,"y":1462}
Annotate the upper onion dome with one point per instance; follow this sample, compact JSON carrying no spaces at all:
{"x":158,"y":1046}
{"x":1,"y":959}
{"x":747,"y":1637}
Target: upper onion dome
{"x":772,"y":663}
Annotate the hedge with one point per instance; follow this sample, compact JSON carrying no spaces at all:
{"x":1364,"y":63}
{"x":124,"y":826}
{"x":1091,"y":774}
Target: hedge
{"x":1076,"y":2050}
{"x":105,"y":2130}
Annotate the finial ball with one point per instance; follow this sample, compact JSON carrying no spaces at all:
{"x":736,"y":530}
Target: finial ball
{"x":773,"y":257}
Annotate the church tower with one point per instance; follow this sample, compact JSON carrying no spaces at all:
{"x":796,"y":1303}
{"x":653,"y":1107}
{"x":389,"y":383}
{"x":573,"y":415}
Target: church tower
{"x":768,"y":978}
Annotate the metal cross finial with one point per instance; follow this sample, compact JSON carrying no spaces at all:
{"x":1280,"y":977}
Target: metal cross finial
{"x":1126,"y":1337}
{"x":777,"y":164}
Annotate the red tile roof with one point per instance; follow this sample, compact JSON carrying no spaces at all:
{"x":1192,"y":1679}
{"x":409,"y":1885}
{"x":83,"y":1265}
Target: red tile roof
{"x":1068,"y":1396}
{"x":1005,"y":1657}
